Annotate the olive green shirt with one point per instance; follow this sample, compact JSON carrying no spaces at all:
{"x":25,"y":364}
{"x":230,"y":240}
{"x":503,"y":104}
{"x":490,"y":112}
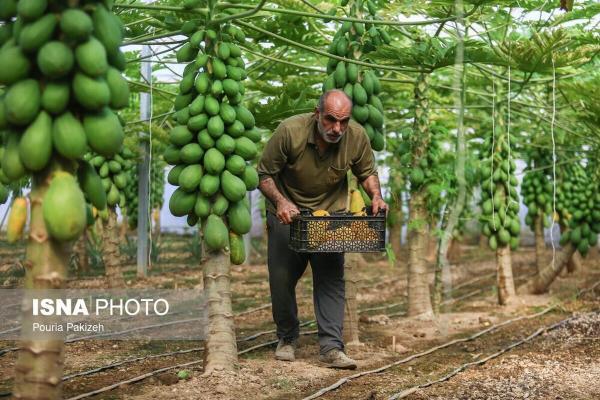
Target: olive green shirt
{"x":307,"y":178}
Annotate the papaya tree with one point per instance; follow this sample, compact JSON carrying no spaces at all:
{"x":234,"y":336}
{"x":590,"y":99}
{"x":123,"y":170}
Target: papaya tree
{"x":61,"y":68}
{"x":115,"y":173}
{"x":500,"y":206}
{"x":537,"y":192}
{"x":210,"y":147}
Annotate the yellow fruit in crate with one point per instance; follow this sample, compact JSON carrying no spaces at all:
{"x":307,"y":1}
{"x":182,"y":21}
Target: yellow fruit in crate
{"x":320,"y":213}
{"x":357,"y":204}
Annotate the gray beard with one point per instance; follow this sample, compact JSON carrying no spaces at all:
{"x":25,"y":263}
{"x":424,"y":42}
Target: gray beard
{"x":324,"y":134}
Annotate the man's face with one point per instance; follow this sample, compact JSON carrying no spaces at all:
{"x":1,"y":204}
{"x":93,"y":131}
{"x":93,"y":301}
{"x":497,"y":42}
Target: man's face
{"x":332,"y":121}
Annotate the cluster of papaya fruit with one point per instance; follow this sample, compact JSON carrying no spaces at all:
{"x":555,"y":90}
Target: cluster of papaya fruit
{"x":537,"y":192}
{"x":61,"y":66}
{"x":115,"y":174}
{"x":214,"y":140}
{"x":424,"y":169}
{"x":499,"y":197}
{"x":578,"y":202}
{"x":351,"y":41}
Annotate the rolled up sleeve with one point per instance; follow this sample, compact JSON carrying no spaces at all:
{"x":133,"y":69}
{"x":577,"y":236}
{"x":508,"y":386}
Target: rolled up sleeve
{"x":363,"y":163}
{"x":274,"y":156}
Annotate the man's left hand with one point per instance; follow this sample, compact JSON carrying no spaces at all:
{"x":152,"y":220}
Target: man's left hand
{"x":377,"y":204}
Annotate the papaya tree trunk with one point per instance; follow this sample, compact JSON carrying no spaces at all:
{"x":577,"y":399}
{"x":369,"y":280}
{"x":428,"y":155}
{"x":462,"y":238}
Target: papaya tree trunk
{"x":540,"y":245}
{"x":432,"y":240}
{"x":544,"y":278}
{"x":574,"y":263}
{"x":221,"y":347}
{"x":112,"y":262}
{"x":351,"y":304}
{"x":123,"y":229}
{"x":506,"y":283}
{"x":39,"y":367}
{"x":419,"y":301}
{"x":156,"y":218}
{"x":396,"y":233}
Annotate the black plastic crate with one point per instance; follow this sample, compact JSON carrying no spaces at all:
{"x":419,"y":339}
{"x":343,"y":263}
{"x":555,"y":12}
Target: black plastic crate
{"x":338,"y":233}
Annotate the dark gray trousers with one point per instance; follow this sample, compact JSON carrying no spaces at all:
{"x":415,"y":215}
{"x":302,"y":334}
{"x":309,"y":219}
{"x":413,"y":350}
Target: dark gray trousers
{"x":285,"y":269}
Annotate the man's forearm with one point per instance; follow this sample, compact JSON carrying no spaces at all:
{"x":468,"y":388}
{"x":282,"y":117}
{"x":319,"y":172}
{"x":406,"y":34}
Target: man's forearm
{"x":269,"y":190}
{"x":372,"y":187}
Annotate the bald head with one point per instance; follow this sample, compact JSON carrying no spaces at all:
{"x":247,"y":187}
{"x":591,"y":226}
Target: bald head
{"x":334,"y":99}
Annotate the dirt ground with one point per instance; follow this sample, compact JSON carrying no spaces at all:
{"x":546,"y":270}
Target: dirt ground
{"x":560,"y":364}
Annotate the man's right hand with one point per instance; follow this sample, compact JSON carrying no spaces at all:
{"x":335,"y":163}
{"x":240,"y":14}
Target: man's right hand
{"x":286,"y":211}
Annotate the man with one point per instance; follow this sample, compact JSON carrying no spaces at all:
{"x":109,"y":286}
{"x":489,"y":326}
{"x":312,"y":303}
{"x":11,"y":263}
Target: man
{"x":304,"y":165}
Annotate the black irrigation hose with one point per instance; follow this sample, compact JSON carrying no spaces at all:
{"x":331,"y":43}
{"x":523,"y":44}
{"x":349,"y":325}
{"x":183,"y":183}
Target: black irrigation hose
{"x":161,"y":370}
{"x":347,"y":379}
{"x":463,"y":367}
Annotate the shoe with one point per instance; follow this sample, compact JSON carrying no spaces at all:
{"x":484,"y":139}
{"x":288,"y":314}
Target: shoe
{"x":336,"y":358}
{"x":286,"y":349}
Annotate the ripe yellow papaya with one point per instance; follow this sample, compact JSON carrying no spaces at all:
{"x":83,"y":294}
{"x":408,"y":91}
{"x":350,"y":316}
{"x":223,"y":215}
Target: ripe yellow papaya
{"x":16,"y":220}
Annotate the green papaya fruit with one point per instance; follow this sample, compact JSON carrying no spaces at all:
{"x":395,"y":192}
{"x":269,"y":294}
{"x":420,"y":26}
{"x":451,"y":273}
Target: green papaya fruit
{"x":197,"y":106}
{"x":15,"y":65}
{"x":220,"y":205}
{"x":235,"y":164}
{"x":91,"y":58}
{"x":107,"y":28}
{"x":215,"y":126}
{"x":36,"y":34}
{"x":182,"y":202}
{"x":92,"y":93}
{"x":119,"y":89}
{"x":236,"y":129}
{"x":245,"y":148}
{"x":68,"y":136}
{"x":232,"y":187}
{"x":237,"y":250}
{"x":55,"y":59}
{"x":76,"y":24}
{"x":360,"y":114}
{"x":202,"y":207}
{"x":12,"y":165}
{"x":197,"y":122}
{"x":214,"y":161}
{"x":180,"y":135}
{"x":55,"y":97}
{"x":31,"y":9}
{"x":171,"y":155}
{"x":35,"y":146}
{"x":189,"y":178}
{"x":22,"y":102}
{"x":104,"y":132}
{"x":250,"y":178}
{"x":340,"y":75}
{"x":191,"y":153}
{"x":239,"y":218}
{"x":91,"y":184}
{"x":173,"y":176}
{"x":225,"y":144}
{"x":216,"y":234}
{"x":209,"y":185}
{"x":63,"y":208}
{"x":205,"y":140}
